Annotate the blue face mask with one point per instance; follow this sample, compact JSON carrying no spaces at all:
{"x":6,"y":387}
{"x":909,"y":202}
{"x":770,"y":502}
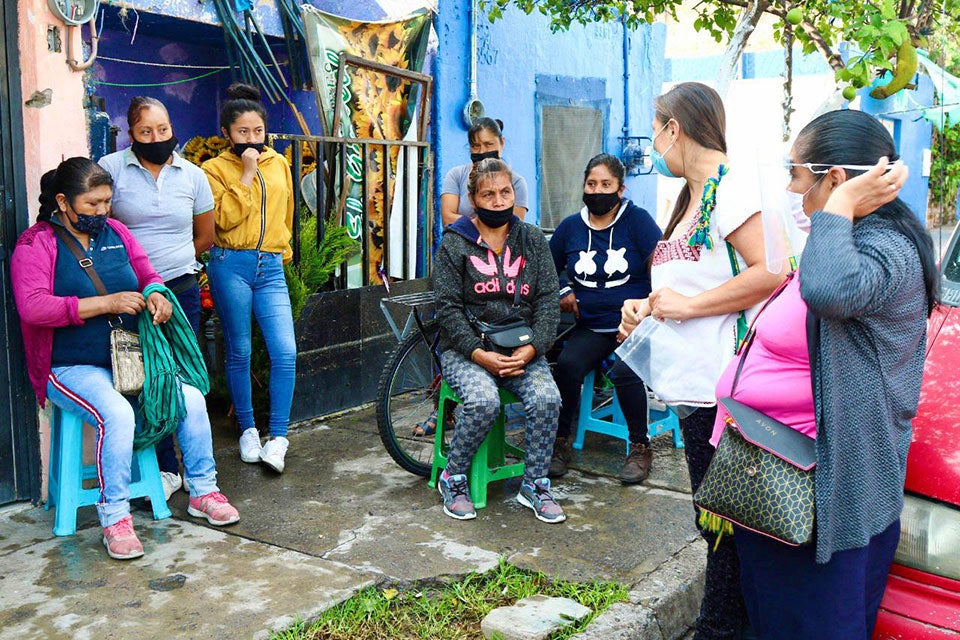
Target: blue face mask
{"x":657,"y":159}
{"x":90,"y":224}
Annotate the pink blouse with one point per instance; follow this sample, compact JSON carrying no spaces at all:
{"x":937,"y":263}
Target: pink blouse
{"x":776,"y":375}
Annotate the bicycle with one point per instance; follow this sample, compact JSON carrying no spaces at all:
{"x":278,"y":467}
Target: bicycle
{"x":409,"y":386}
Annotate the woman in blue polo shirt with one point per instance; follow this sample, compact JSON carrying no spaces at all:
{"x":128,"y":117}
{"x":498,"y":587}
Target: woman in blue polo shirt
{"x":167,"y":204}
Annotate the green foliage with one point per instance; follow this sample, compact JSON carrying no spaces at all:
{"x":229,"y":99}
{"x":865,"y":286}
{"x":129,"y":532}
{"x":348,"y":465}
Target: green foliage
{"x":876,"y":28}
{"x":450,"y":612}
{"x":945,"y":171}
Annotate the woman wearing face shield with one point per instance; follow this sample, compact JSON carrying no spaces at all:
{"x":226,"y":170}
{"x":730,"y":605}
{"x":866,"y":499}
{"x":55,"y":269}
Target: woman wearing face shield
{"x":491,"y":266}
{"x":602,"y":254}
{"x":708,"y":268}
{"x":868,"y":277}
{"x":486,"y":141}
{"x":167,"y":204}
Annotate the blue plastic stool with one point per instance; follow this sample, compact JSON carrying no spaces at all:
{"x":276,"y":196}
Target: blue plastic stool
{"x":65,"y":484}
{"x":489,"y":463}
{"x":609,"y":419}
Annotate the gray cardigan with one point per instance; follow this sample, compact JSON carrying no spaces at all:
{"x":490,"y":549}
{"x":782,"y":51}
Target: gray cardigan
{"x":865,"y":282}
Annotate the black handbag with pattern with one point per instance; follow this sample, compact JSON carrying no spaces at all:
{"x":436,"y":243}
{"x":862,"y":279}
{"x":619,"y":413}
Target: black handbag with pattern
{"x":761,"y":476}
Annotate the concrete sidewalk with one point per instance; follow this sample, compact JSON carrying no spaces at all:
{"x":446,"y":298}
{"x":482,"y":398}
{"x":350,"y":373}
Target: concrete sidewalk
{"x":342,"y":517}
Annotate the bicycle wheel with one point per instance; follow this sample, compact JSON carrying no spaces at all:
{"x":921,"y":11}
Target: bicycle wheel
{"x":406,"y":397}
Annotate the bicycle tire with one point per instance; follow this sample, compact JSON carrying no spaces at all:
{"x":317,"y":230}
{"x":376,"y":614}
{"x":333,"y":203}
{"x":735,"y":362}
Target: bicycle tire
{"x":407,"y":395}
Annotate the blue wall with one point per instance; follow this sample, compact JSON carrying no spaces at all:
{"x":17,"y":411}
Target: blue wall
{"x":911,"y":133}
{"x":518,"y":55}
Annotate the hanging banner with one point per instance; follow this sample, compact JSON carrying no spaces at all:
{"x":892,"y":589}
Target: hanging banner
{"x":373,"y":105}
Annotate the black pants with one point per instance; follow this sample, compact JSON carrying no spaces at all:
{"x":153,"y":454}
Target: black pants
{"x":723,"y":614}
{"x":189,"y":300}
{"x":582,"y":353}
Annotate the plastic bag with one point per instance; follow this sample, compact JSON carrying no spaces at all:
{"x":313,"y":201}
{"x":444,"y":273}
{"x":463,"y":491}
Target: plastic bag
{"x":670,"y":365}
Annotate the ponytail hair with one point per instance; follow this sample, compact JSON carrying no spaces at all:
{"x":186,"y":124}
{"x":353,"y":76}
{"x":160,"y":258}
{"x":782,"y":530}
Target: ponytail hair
{"x":855,"y":138}
{"x":72,"y":177}
{"x":243,"y":98}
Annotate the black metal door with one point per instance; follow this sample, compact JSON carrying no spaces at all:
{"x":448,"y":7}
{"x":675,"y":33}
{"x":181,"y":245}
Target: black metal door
{"x":19,"y":437}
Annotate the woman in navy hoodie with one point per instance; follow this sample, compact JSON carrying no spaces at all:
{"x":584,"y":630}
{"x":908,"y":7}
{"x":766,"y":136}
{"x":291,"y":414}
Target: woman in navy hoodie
{"x":602,"y":254}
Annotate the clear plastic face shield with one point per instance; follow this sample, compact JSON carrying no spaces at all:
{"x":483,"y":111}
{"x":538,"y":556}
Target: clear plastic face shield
{"x":785,"y":225}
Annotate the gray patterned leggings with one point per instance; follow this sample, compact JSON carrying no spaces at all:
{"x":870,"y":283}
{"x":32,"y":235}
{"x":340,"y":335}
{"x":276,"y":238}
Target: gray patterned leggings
{"x":478,"y":389}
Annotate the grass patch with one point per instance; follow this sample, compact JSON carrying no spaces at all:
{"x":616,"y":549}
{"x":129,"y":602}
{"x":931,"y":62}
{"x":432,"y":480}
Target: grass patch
{"x":449,"y":612}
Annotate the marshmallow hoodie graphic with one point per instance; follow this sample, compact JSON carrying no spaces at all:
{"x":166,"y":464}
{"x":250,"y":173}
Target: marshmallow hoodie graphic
{"x":468,"y":274}
{"x":604,"y":267}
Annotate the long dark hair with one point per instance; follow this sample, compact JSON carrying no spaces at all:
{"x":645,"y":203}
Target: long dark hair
{"x":853,"y":137}
{"x":699,"y":110}
{"x":72,"y":177}
{"x":243,"y":98}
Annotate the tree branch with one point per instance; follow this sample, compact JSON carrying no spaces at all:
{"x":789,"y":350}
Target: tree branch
{"x":738,"y":41}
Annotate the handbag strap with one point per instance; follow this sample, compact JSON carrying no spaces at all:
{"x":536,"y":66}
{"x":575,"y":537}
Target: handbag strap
{"x":751,"y":333}
{"x":735,"y":268}
{"x":85,"y":262}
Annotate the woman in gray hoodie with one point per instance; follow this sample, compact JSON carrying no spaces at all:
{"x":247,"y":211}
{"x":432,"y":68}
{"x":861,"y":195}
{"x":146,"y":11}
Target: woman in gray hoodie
{"x":481,"y":261}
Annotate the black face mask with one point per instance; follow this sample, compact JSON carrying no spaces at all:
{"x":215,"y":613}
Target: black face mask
{"x":240,"y":147}
{"x":477,"y":157}
{"x":600,"y":203}
{"x":493,"y":218}
{"x":154,"y":152}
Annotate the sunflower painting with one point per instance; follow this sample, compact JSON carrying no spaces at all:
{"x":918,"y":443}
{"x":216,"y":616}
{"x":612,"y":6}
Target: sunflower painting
{"x":375,"y":106}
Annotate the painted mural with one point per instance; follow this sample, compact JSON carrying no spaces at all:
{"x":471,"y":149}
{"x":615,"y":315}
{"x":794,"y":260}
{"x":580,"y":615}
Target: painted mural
{"x":374,"y":105}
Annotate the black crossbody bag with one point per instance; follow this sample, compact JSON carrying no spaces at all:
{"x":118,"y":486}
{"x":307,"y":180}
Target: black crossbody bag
{"x":506,"y":334}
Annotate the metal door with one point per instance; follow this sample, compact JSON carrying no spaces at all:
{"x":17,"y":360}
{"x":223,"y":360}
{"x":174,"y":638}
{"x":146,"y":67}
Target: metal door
{"x":19,"y":437}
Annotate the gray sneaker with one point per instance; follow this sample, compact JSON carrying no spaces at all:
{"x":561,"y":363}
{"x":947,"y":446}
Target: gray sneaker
{"x":456,"y":496}
{"x":536,"y":495}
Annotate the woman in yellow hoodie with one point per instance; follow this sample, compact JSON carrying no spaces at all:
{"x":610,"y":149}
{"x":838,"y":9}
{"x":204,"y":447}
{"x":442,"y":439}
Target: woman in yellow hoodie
{"x":253,"y":205}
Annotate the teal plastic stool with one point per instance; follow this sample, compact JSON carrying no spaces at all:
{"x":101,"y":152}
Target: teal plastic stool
{"x":609,"y":419}
{"x":65,"y":484}
{"x":489,"y":464}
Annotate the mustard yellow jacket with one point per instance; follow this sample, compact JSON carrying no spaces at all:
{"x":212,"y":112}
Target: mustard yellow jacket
{"x":256,"y":217}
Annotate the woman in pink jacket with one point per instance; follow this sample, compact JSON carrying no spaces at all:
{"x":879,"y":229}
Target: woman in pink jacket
{"x":66,"y":331}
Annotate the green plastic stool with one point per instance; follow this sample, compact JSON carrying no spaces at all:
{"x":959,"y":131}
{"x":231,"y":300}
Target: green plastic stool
{"x":489,"y":464}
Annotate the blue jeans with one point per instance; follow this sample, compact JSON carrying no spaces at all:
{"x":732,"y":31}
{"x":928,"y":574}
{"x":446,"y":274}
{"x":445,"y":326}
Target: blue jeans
{"x":87,"y":391}
{"x":250,"y":282}
{"x":189,"y":300}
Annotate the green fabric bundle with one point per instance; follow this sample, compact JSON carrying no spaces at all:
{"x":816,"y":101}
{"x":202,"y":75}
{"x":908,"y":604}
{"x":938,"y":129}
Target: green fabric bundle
{"x":171,"y":356}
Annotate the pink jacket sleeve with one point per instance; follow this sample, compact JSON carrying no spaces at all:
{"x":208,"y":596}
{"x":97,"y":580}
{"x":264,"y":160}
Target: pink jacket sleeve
{"x":138,"y":258}
{"x":31,"y":272}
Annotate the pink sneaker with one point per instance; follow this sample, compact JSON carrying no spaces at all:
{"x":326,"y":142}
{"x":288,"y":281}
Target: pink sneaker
{"x":215,"y":508}
{"x":120,"y":540}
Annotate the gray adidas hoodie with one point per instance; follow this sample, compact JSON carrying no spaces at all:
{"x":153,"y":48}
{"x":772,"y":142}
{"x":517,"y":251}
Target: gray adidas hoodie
{"x":468,"y":274}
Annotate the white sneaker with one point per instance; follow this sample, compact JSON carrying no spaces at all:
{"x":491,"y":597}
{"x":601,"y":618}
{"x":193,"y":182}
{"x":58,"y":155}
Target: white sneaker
{"x":250,"y":450}
{"x":273,"y":453}
{"x":171,"y":483}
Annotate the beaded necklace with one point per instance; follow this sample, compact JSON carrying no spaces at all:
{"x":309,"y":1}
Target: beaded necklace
{"x":708,"y":202}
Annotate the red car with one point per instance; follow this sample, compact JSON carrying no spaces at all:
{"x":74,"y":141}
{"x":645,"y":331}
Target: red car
{"x":922,"y":600}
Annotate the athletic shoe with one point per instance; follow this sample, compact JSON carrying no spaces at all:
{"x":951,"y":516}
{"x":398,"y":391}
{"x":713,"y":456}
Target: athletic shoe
{"x":536,"y":496}
{"x":171,"y":483}
{"x":273,"y":453}
{"x":120,"y":540}
{"x":215,"y":508}
{"x":250,"y":445}
{"x":456,"y":496}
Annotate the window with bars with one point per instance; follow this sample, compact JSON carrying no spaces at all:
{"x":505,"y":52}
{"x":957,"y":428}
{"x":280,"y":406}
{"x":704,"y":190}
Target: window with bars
{"x":569,"y":137}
